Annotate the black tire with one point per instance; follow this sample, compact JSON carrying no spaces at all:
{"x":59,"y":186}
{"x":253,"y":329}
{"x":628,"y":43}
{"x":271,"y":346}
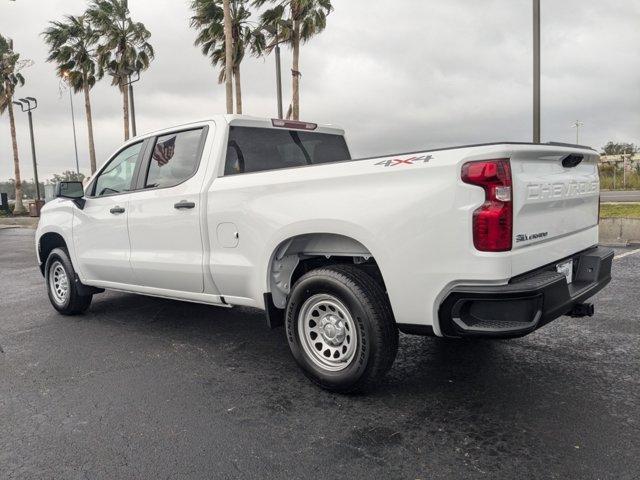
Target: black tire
{"x":370,"y":311}
{"x":75,"y":301}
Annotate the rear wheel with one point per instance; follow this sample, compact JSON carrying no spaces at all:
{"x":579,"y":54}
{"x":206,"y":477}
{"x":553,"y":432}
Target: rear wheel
{"x":340,"y":328}
{"x":65,"y":290}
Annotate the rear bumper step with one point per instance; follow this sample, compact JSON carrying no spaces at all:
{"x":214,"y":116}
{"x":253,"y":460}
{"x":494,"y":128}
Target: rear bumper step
{"x":528,"y":301}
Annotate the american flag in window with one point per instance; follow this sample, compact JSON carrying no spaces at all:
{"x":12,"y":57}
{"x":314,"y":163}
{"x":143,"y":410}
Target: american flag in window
{"x":163,"y":152}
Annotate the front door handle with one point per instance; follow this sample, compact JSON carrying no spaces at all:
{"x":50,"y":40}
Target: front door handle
{"x":184,"y":204}
{"x":116,"y":210}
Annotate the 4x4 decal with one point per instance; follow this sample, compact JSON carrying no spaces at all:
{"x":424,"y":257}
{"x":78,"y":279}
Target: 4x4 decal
{"x":405,"y":161}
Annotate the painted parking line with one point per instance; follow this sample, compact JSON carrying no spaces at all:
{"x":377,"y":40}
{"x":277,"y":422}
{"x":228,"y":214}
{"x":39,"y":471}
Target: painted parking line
{"x":626,"y":254}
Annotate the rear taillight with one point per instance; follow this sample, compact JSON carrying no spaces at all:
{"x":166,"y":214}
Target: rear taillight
{"x":493,"y":221}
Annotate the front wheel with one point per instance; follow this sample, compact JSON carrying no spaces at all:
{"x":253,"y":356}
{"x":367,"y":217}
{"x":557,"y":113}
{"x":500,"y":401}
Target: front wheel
{"x":340,"y":328}
{"x":64,"y":289}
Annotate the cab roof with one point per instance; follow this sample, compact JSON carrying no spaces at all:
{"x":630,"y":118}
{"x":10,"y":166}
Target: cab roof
{"x":256,"y":122}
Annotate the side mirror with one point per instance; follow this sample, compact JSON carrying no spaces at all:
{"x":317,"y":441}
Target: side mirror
{"x":71,"y":190}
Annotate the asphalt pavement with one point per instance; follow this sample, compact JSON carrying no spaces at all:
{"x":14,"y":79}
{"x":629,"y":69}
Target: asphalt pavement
{"x":620,"y":196}
{"x":142,"y":387}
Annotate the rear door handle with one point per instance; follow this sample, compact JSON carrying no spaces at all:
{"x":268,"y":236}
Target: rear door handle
{"x":184,"y":204}
{"x":116,"y":210}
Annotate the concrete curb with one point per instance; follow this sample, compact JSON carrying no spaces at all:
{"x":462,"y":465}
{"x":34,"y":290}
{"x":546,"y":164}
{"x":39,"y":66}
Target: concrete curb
{"x":619,"y":231}
{"x":613,"y":244}
{"x":24,"y":222}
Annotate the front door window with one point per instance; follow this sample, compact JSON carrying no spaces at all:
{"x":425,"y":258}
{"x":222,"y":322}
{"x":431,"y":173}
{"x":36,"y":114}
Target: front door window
{"x":118,"y":174}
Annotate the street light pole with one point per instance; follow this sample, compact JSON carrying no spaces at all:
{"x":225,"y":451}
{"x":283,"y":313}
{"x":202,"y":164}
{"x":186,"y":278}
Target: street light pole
{"x":33,"y":155}
{"x":67,"y":80}
{"x":73,"y":123}
{"x":127,"y":82}
{"x":278,"y":77}
{"x":577,"y":124}
{"x":536,"y":71}
{"x":26,"y":102}
{"x":279,"y":81}
{"x":273,"y":31}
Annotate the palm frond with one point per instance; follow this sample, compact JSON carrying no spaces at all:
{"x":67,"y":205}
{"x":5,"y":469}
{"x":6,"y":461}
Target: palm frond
{"x":208,"y":20}
{"x":72,"y":47}
{"x":122,"y":44}
{"x":309,"y":15}
{"x":10,"y":77}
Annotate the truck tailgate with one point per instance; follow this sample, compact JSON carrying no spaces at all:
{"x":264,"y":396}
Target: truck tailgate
{"x":555,"y":194}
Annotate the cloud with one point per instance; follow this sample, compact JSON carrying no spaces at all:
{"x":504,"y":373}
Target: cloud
{"x":398,"y":76}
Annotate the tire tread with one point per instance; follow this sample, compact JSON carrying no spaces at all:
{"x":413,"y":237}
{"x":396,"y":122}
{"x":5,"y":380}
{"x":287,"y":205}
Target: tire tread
{"x":382,"y":322}
{"x":77,"y":303}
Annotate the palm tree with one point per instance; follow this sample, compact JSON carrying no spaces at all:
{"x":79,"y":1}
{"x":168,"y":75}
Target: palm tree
{"x":123,"y":48}
{"x":208,"y":18}
{"x":72,"y":47}
{"x":293,"y":22}
{"x":10,"y":78}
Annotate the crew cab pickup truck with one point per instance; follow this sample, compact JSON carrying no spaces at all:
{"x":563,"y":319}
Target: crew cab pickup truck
{"x":492,"y":240}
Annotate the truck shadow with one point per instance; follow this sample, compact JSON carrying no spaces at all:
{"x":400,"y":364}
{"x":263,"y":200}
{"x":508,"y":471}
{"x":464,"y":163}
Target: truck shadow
{"x":478,"y":400}
{"x":424,"y":367}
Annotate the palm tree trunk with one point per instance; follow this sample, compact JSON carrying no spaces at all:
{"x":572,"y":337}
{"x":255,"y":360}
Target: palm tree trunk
{"x":295,"y":72}
{"x":125,"y":108}
{"x":18,"y":206}
{"x":236,"y":76}
{"x":92,"y":148}
{"x":228,"y":54}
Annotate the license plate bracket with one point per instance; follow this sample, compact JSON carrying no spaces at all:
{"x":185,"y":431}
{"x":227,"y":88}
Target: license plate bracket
{"x":566,"y":268}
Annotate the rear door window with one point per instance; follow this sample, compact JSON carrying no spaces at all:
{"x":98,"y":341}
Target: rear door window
{"x":174,"y":159}
{"x":258,"y":149}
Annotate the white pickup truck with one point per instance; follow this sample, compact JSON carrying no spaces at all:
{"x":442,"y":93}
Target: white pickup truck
{"x":490,"y":240}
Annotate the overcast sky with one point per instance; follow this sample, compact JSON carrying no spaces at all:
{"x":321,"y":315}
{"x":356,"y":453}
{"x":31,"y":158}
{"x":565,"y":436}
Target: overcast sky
{"x":398,"y":75}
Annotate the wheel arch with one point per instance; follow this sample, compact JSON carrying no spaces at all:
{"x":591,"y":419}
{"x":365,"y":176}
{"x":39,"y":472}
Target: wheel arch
{"x":287,"y":260}
{"x":46,"y":243}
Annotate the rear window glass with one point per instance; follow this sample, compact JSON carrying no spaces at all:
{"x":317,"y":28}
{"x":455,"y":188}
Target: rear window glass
{"x":257,"y":149}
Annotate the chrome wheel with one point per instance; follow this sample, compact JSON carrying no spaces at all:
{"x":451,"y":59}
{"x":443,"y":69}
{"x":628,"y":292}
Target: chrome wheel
{"x":327,"y":332}
{"x":58,"y":283}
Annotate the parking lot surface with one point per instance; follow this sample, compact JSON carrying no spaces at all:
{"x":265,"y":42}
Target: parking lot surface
{"x":149,"y":388}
